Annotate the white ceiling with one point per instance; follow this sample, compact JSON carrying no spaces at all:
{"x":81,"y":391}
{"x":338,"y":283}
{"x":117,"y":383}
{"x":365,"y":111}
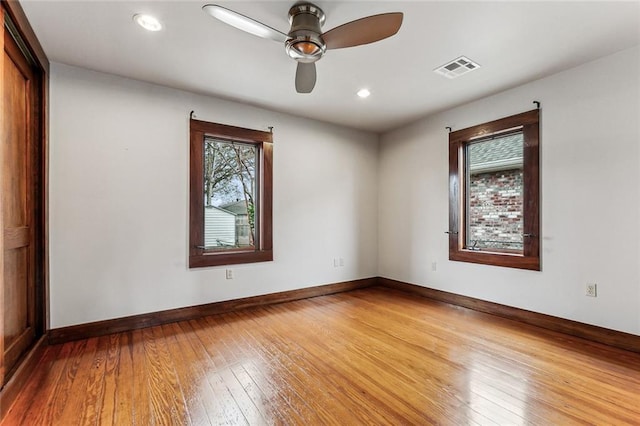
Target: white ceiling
{"x":514,"y":42}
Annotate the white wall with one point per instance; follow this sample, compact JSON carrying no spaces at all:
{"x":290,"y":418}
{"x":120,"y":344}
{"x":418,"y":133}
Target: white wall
{"x":590,"y":171}
{"x":119,"y":200}
{"x":119,"y":146}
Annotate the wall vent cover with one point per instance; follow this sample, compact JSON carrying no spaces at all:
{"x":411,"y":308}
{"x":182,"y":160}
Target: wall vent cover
{"x":457,"y":67}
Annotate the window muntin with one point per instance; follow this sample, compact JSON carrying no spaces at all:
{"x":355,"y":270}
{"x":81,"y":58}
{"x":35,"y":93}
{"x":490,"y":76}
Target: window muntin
{"x":230,"y":208}
{"x":494,"y":193}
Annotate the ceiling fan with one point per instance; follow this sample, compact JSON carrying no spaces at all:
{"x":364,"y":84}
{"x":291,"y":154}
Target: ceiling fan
{"x":305,"y":42}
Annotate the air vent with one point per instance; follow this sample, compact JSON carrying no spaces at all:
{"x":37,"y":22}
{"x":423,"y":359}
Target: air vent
{"x":457,"y":67}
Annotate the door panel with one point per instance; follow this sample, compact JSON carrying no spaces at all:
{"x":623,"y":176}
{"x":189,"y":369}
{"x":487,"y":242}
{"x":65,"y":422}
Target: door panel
{"x":17,"y":325}
{"x":17,"y":204}
{"x":15,"y":145}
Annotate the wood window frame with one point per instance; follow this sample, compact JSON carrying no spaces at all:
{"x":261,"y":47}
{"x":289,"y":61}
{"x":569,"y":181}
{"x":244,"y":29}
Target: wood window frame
{"x":458,"y":140}
{"x":198,"y":256}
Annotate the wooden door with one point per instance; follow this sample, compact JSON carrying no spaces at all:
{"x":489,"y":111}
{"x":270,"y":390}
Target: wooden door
{"x":18,"y":204}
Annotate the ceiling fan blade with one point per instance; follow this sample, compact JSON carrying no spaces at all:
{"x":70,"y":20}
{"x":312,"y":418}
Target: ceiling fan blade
{"x":363,"y":31}
{"x":305,"y":77}
{"x":244,"y":23}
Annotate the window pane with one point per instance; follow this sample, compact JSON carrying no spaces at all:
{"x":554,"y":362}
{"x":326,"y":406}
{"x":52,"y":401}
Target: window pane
{"x":230,"y":197}
{"x":495,"y":193}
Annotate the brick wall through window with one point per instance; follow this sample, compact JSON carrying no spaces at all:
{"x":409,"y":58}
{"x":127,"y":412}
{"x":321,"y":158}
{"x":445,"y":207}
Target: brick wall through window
{"x":495,"y":210}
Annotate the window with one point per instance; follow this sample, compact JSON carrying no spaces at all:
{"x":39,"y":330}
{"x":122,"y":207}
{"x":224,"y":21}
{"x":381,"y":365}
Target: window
{"x":494,"y":193}
{"x":230,"y":195}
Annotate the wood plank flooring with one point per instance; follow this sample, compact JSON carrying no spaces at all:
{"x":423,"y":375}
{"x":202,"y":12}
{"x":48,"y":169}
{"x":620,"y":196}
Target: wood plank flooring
{"x":371,"y":356}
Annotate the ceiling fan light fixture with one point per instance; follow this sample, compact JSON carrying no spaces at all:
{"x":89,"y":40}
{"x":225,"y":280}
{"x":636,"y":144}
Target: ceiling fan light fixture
{"x":305,"y":49}
{"x":305,"y":43}
{"x":147,"y":22}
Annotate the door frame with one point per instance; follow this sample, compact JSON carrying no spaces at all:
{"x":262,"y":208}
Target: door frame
{"x":19,"y":25}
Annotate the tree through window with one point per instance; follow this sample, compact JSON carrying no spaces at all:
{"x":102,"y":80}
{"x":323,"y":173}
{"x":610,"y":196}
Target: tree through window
{"x":229,"y":194}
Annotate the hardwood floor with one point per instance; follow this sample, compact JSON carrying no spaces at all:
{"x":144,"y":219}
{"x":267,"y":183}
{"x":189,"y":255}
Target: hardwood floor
{"x":371,"y":356}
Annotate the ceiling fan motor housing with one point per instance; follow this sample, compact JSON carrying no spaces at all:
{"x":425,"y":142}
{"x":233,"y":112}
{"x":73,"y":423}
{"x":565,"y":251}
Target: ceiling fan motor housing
{"x":305,"y":43}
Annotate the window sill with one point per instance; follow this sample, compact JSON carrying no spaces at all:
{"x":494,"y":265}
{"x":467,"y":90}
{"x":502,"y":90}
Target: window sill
{"x":508,"y":260}
{"x":495,"y":252}
{"x":232,"y":258}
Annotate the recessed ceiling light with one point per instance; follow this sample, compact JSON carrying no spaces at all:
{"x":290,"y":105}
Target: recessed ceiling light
{"x":147,"y":22}
{"x":364,"y":93}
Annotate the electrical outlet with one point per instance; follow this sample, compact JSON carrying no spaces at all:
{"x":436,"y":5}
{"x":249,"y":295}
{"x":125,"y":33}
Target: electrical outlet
{"x":434,"y":266}
{"x":341,"y":262}
{"x":592,"y":290}
{"x":229,"y":274}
